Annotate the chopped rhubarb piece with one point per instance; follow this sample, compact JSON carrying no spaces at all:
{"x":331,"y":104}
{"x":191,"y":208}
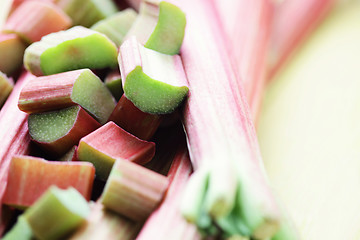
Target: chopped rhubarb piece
{"x":58,"y":131}
{"x":70,"y":155}
{"x":12,"y":52}
{"x":20,"y":231}
{"x":6,"y":86}
{"x":105,"y":224}
{"x":87,"y":12}
{"x":114,"y":84}
{"x":34,"y":19}
{"x":75,"y":48}
{"x":30,"y":177}
{"x":293,"y":21}
{"x":5,"y":7}
{"x":166,"y":222}
{"x":116,"y":26}
{"x":159,"y":26}
{"x":154,"y":82}
{"x":57,"y":213}
{"x":130,"y":118}
{"x":61,"y":90}
{"x":110,"y":142}
{"x":15,"y":139}
{"x":132,"y":190}
{"x":229,"y":179}
{"x":248,"y":43}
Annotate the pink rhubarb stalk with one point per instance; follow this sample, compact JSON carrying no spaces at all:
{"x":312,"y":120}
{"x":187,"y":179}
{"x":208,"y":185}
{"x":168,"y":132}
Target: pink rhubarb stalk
{"x":30,"y":177}
{"x":130,"y":118}
{"x":247,"y":25}
{"x":221,"y":138}
{"x":16,"y":139}
{"x":35,"y":19}
{"x":293,"y":22}
{"x":166,"y":222}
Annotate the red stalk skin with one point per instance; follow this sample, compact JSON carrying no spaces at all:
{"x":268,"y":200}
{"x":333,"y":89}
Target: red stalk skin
{"x":115,"y":142}
{"x":130,"y":118}
{"x":83,"y":125}
{"x":293,"y":21}
{"x":248,"y":27}
{"x":29,"y":177}
{"x":15,"y":140}
{"x":166,"y":222}
{"x":48,"y":93}
{"x":34,"y":19}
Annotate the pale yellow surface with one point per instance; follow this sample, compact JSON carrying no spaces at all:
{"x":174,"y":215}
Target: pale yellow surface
{"x":5,"y":6}
{"x":309,"y":131}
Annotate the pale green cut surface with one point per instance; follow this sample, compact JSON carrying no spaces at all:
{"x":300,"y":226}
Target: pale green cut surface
{"x":309,"y":131}
{"x":57,"y":213}
{"x":152,"y":96}
{"x":20,"y":231}
{"x":92,"y":94}
{"x":50,"y":126}
{"x":169,"y":32}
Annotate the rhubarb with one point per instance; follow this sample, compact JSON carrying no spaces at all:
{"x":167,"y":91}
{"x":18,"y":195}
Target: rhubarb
{"x":30,"y":177}
{"x":105,"y":224}
{"x":87,"y":12}
{"x":116,"y":26}
{"x":309,"y":129}
{"x":12,"y":52}
{"x":70,"y":155}
{"x":293,"y":21}
{"x":35,"y":19}
{"x":57,"y":213}
{"x":114,"y":84}
{"x":75,"y":48}
{"x":166,"y":222}
{"x":5,"y":7}
{"x":160,"y":26}
{"x":110,"y":142}
{"x":58,"y":131}
{"x":154,"y":82}
{"x":6,"y":86}
{"x":16,"y":139}
{"x":229,"y":180}
{"x":130,"y":118}
{"x":20,"y":231}
{"x":133,"y":190}
{"x":62,"y":90}
{"x":247,"y":25}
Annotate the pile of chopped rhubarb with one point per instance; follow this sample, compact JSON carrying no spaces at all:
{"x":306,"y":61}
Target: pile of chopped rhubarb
{"x":129,"y":119}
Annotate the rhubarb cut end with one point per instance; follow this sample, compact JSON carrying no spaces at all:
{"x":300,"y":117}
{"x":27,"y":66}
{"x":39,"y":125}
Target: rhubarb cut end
{"x":169,"y":32}
{"x":152,"y":96}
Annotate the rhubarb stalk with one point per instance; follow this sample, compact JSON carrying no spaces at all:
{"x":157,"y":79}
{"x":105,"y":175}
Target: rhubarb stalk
{"x":247,"y":25}
{"x":16,"y":140}
{"x":229,"y":181}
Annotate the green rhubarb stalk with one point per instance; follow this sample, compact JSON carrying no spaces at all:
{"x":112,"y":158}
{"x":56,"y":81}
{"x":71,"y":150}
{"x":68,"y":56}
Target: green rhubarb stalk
{"x":75,"y":48}
{"x":116,"y":26}
{"x":88,"y":12}
{"x":58,"y":131}
{"x":222,"y":142}
{"x":57,"y":213}
{"x":62,"y":90}
{"x":154,"y":82}
{"x":114,"y":84}
{"x":309,"y":131}
{"x":20,"y":231}
{"x":132,"y":190}
{"x":160,"y":26}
